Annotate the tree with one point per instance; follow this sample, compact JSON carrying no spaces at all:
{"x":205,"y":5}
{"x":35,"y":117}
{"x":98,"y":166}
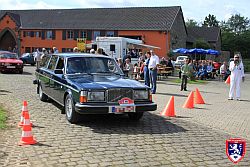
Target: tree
{"x":192,"y":23}
{"x":236,"y":35}
{"x":210,"y":21}
{"x":201,"y":43}
{"x":238,"y":23}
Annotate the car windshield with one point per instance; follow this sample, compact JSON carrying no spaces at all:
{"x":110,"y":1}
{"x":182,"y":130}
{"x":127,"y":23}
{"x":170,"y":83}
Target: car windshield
{"x":181,"y":58}
{"x":92,"y":65}
{"x":8,"y":56}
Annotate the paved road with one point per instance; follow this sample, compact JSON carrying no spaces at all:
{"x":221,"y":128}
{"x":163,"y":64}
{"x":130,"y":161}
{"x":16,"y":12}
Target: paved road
{"x":195,"y":138}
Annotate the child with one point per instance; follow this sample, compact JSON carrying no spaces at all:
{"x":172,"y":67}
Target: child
{"x":185,"y":72}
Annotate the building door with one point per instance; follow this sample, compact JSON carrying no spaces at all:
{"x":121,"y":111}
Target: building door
{"x":7,"y":40}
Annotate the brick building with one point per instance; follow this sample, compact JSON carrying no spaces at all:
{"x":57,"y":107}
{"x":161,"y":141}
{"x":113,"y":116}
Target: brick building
{"x":30,"y":29}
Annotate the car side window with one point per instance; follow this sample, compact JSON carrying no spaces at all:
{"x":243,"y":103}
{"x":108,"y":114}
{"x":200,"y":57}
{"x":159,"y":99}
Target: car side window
{"x":52,"y":62}
{"x":45,"y":60}
{"x":60,"y":63}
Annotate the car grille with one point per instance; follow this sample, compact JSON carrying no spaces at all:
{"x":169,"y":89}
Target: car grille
{"x":117,"y":94}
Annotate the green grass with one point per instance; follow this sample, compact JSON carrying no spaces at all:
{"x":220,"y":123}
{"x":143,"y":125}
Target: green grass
{"x":190,"y":82}
{"x":3,"y":118}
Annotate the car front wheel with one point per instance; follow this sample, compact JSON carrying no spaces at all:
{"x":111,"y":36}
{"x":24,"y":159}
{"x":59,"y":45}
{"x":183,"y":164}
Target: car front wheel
{"x":42,"y":96}
{"x":71,"y":115}
{"x":135,"y":116}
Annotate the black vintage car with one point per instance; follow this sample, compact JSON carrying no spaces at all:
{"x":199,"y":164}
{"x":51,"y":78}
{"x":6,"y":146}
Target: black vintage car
{"x":91,"y":84}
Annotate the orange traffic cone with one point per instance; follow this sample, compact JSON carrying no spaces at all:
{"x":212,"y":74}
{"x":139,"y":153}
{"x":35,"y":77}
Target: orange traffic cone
{"x":27,"y":138}
{"x":190,"y":101}
{"x":24,"y":110}
{"x":169,"y":109}
{"x":198,"y":98}
{"x":228,"y":80}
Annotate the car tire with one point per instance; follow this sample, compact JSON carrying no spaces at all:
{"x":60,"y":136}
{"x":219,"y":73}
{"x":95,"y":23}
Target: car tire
{"x":43,"y":97}
{"x":33,"y":64}
{"x":21,"y":71}
{"x":135,"y":116}
{"x":69,"y":106}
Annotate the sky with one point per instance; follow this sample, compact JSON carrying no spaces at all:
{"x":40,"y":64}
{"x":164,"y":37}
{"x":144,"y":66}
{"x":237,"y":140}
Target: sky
{"x":192,"y":9}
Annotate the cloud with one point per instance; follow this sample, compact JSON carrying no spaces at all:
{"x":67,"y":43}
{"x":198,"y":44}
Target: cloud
{"x":229,"y":10}
{"x":21,"y":4}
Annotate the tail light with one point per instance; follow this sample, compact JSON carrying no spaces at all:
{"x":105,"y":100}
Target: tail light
{"x":150,"y":97}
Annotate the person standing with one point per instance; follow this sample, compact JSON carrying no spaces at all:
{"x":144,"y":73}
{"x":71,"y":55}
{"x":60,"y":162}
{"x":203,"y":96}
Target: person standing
{"x":153,"y":63}
{"x":55,"y":50}
{"x":129,"y":68}
{"x":146,"y":70}
{"x":237,"y":75}
{"x":37,"y":58}
{"x":185,"y":72}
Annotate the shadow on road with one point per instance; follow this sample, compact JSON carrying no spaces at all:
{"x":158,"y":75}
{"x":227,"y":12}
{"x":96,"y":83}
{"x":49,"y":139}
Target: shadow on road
{"x":4,"y":92}
{"x":121,"y":124}
{"x":210,"y":92}
{"x":172,"y":94}
{"x":41,"y":144}
{"x":26,"y":73}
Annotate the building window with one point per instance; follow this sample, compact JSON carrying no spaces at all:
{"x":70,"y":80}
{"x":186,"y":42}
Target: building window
{"x":37,"y":34}
{"x":27,"y":49}
{"x":28,"y":33}
{"x":83,"y":34}
{"x":49,"y":34}
{"x":67,"y":50}
{"x":110,"y":33}
{"x":70,"y":34}
{"x":96,"y":34}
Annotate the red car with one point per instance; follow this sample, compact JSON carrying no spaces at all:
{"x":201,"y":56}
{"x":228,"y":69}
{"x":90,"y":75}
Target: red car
{"x":9,"y":62}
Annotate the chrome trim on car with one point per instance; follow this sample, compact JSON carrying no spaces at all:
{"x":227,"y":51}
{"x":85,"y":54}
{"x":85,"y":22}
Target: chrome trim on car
{"x":59,"y":82}
{"x":109,"y":105}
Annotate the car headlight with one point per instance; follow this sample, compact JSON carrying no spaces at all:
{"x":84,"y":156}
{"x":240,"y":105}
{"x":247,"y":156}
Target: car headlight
{"x":96,"y":96}
{"x":141,"y":94}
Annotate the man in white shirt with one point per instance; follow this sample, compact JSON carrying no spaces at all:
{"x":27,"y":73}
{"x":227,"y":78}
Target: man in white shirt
{"x":152,"y":66}
{"x":237,"y":75}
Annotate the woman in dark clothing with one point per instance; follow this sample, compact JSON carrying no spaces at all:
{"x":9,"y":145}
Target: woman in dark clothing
{"x":146,"y":70}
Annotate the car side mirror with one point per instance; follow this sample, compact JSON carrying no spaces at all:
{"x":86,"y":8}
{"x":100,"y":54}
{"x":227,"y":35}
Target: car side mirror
{"x":58,"y":71}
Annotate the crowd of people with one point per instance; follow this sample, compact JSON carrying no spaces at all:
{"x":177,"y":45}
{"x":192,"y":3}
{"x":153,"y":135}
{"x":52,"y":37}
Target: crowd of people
{"x":145,"y":68}
{"x":205,"y":69}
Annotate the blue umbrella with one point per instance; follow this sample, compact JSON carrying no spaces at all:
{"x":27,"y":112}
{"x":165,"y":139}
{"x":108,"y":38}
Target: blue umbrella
{"x":212,"y":52}
{"x":180,"y":50}
{"x":197,"y":50}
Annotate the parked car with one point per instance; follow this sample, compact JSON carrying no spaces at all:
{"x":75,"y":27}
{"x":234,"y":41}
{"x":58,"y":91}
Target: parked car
{"x":28,"y":58}
{"x":9,"y":62}
{"x":180,"y":61}
{"x":91,"y":84}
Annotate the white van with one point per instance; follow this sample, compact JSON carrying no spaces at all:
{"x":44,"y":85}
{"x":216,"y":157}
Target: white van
{"x":180,"y":60}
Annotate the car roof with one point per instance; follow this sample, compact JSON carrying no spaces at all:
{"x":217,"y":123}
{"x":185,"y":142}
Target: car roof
{"x":3,"y":51}
{"x":80,"y":55}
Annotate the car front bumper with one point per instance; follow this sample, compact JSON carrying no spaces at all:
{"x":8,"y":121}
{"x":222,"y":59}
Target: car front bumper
{"x":108,"y":108}
{"x":13,"y":69}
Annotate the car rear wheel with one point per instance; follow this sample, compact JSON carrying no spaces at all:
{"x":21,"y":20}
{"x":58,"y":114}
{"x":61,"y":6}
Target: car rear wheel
{"x":135,"y":116}
{"x":42,"y":96}
{"x":71,"y":115}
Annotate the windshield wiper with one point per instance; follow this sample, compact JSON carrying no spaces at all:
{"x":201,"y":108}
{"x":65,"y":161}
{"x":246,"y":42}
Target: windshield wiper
{"x":106,"y":72}
{"x":79,"y":73}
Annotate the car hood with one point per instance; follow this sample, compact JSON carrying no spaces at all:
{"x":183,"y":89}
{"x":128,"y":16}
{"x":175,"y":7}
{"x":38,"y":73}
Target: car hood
{"x":11,"y":61}
{"x":104,"y":82}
